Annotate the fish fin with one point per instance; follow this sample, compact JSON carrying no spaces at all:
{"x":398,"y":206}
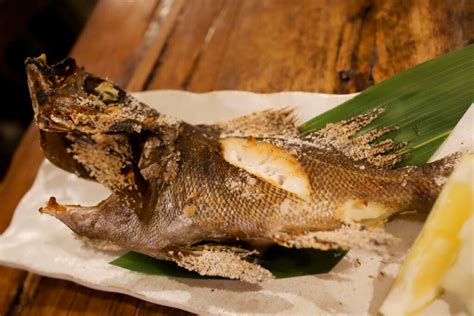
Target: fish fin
{"x":108,"y":159}
{"x":223,"y":261}
{"x":348,"y":236}
{"x":343,"y":137}
{"x":429,"y":179}
{"x":56,"y":150}
{"x":442,"y":167}
{"x":268,"y":123}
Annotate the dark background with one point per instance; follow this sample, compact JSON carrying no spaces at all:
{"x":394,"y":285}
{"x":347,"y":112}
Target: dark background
{"x":29,"y":28}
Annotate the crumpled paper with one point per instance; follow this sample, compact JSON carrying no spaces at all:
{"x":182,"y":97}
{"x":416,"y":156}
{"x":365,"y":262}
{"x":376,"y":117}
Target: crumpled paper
{"x":357,"y":285}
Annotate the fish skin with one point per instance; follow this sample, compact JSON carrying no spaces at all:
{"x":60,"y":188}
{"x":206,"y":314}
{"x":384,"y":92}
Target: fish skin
{"x":172,"y":188}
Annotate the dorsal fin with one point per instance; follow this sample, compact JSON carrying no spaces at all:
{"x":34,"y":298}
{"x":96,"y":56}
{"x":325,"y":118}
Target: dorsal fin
{"x":342,"y":137}
{"x":268,"y":123}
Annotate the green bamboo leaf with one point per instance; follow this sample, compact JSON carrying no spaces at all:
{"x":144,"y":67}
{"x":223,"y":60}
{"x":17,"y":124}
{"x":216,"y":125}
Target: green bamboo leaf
{"x":425,"y":102}
{"x":282,"y":262}
{"x":138,"y":262}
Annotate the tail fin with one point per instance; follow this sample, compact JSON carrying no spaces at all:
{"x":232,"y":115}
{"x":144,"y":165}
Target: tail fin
{"x":430,"y":178}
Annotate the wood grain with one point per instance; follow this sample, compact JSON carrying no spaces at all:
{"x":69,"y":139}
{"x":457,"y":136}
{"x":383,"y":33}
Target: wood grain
{"x":155,"y":38}
{"x":107,"y":53}
{"x":18,"y":180}
{"x":112,"y":36}
{"x":333,"y":46}
{"x":185,"y":44}
{"x":430,"y":28}
{"x":209,"y":61}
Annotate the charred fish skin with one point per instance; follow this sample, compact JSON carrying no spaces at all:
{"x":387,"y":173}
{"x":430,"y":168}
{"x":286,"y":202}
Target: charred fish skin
{"x":176,"y":186}
{"x":93,"y":128}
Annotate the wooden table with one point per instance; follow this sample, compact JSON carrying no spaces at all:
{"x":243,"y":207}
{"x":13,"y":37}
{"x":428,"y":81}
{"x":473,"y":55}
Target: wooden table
{"x":202,"y":45}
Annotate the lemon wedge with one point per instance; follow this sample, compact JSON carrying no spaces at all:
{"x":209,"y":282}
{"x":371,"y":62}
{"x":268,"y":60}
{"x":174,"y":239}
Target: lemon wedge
{"x":442,"y":256}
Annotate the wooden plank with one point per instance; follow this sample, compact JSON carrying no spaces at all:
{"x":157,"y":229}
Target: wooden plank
{"x":362,"y":76}
{"x":212,"y":52}
{"x":354,"y":60}
{"x":467,"y":22}
{"x":154,"y":41}
{"x":112,"y":36}
{"x":275,"y":41}
{"x":283,"y":45}
{"x":411,"y":32}
{"x":177,"y":62}
{"x":18,"y":180}
{"x":202,"y":45}
{"x":10,"y":282}
{"x":107,"y":47}
{"x":58,"y":297}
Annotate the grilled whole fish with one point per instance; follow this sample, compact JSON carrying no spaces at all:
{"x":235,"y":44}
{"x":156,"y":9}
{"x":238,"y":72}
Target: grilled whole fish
{"x":185,"y":193}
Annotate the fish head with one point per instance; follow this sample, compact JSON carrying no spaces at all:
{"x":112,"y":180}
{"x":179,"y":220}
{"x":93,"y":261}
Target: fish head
{"x":78,"y":115}
{"x":66,"y":98}
{"x":93,"y":128}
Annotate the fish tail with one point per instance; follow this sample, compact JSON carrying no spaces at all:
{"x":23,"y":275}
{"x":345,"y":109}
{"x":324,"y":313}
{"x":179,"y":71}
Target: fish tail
{"x":429,"y":179}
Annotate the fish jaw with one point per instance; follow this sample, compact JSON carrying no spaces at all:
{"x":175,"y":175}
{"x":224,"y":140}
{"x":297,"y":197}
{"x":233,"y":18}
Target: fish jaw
{"x":38,"y":85}
{"x":50,"y":88}
{"x":63,"y":96}
{"x":66,"y":98}
{"x":108,"y":221}
{"x":78,"y":218}
{"x":59,"y":97}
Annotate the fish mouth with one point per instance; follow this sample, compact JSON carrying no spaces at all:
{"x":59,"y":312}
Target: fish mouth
{"x":52,"y":207}
{"x":42,"y":82}
{"x":37,"y":67}
{"x":77,"y":218}
{"x":38,"y":86}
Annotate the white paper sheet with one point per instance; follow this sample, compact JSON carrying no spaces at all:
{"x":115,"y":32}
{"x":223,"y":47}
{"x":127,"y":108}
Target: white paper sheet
{"x":42,"y":244}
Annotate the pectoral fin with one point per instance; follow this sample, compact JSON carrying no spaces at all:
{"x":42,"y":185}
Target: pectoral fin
{"x":109,"y":160}
{"x":224,"y":261}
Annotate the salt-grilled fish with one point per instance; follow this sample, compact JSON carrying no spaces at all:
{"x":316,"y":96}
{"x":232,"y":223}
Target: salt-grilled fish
{"x":205,"y":196}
